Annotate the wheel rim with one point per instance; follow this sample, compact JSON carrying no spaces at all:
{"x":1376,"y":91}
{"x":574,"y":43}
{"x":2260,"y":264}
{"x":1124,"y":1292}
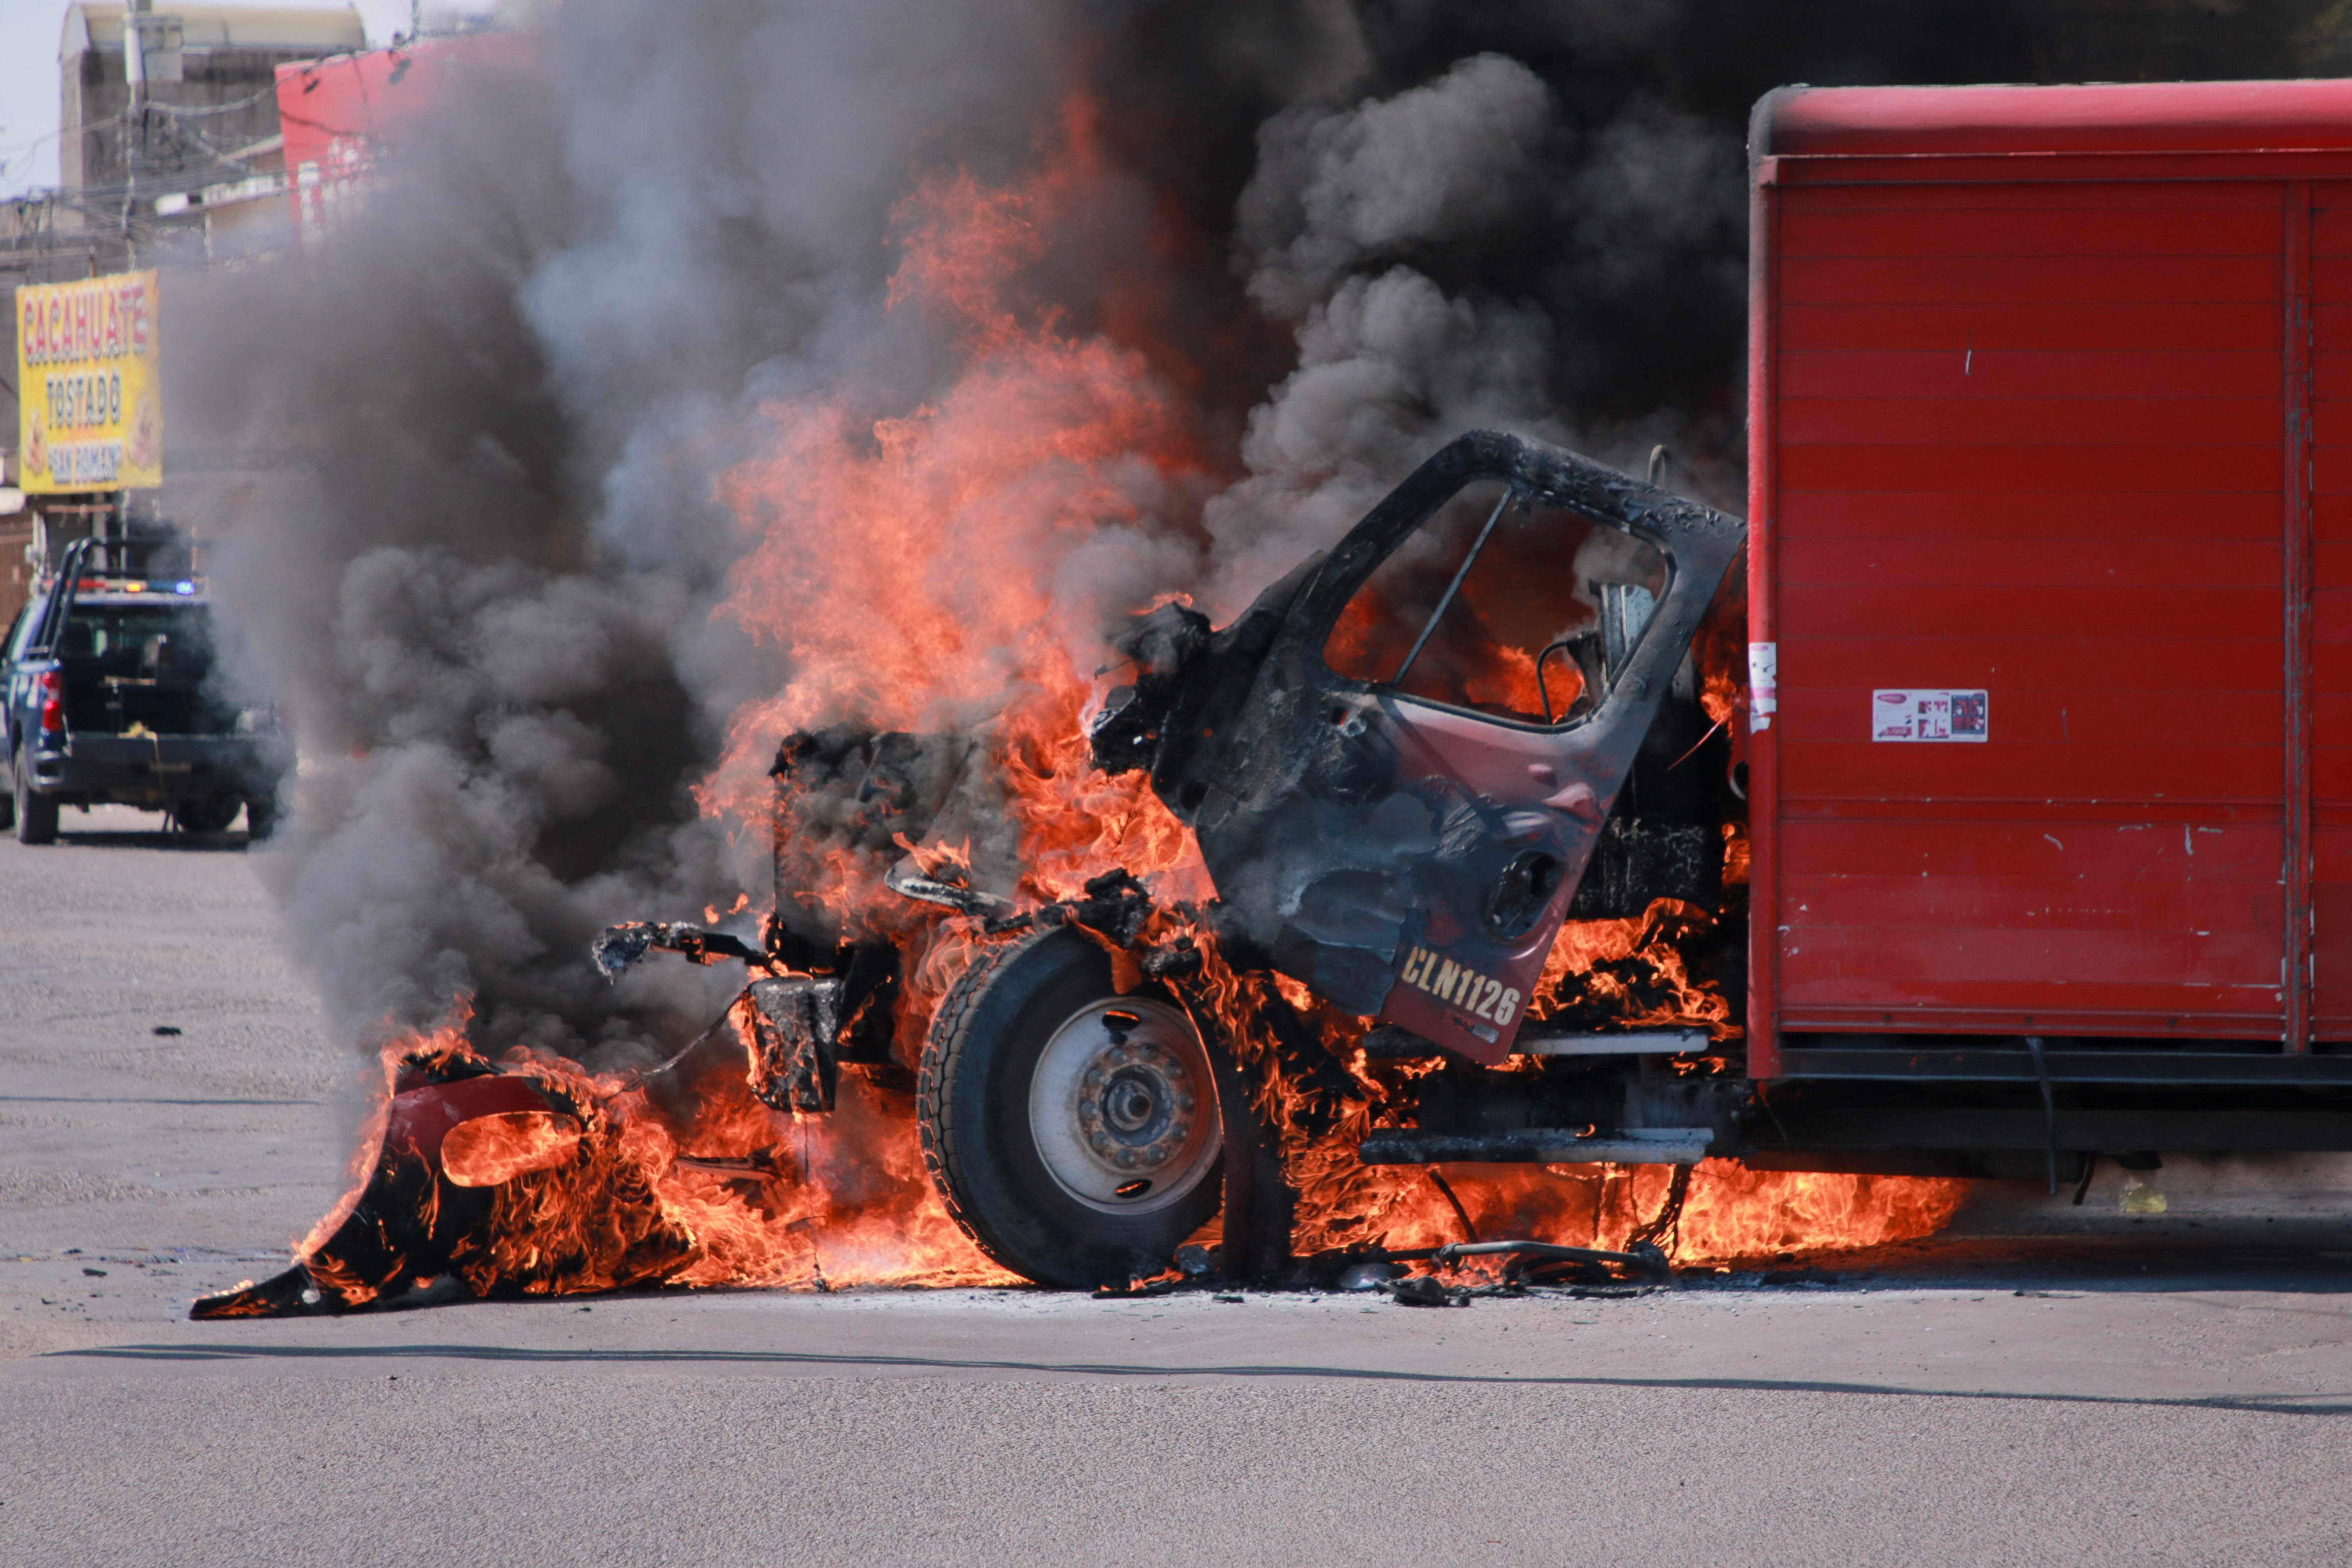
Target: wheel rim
{"x":1122,"y":1107}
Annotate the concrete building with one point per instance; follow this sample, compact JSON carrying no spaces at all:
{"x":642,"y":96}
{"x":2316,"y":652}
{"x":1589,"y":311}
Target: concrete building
{"x":209,"y":104}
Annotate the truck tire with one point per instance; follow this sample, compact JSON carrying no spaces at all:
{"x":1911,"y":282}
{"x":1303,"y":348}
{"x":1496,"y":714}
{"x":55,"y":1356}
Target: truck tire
{"x":260,"y":817}
{"x":1073,"y":1132}
{"x":207,"y":814}
{"x":8,"y":801}
{"x":35,"y":814}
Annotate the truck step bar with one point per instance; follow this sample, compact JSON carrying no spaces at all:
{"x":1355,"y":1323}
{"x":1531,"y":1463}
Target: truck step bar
{"x":1537,"y":1146}
{"x":1390,"y":1043}
{"x":1639,"y":1042}
{"x":2016,"y":1065}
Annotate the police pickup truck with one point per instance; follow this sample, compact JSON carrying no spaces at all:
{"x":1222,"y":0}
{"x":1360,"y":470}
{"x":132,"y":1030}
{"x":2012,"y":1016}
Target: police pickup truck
{"x":110,"y":701}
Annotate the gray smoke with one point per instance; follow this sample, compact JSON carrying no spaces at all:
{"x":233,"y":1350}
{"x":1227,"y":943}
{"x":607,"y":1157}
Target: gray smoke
{"x":485,"y":587}
{"x":482,"y":593}
{"x":483,"y":581}
{"x":1351,"y":210}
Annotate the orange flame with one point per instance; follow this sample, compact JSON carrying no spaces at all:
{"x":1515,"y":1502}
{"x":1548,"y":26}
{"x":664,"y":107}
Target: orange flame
{"x":952,"y":568}
{"x":496,"y":1149}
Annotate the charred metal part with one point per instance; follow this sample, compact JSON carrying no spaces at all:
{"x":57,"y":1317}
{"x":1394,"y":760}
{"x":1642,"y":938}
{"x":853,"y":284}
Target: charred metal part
{"x":908,"y":880}
{"x":1174,"y":961}
{"x":1638,"y":1262}
{"x":1594,"y":1000}
{"x":805,"y":1026}
{"x":1537,"y":1146}
{"x":1127,"y":731}
{"x":1387,"y":850}
{"x":1206,"y":685}
{"x":1437,"y":1179}
{"x":797,"y":1041}
{"x":762,"y":1163}
{"x":1259,"y":1202}
{"x":1115,"y":907}
{"x":1669,"y":1217}
{"x":624,"y":945}
{"x":1639,"y":860}
{"x":1427,"y":1291}
{"x":292,"y":1294}
{"x":1445,"y":600}
{"x":1460,"y":1098}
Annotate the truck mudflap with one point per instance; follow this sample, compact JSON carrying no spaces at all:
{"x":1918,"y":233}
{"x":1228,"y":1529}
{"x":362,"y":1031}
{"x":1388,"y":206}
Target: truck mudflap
{"x":1399,"y":762}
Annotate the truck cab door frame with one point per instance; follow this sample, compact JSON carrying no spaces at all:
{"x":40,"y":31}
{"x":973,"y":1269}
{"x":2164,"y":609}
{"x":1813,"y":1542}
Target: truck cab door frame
{"x":1412,"y":861}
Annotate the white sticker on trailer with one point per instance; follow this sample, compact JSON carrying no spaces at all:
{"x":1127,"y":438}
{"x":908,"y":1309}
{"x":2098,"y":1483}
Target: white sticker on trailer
{"x":1914,"y":715}
{"x":1763,"y":685}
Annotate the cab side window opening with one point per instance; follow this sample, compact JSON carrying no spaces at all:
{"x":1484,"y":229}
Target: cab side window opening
{"x":1501,"y":605}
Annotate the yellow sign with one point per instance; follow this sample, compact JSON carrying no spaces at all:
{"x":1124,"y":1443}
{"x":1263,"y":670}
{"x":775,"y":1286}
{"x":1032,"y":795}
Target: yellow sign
{"x":89,"y":402}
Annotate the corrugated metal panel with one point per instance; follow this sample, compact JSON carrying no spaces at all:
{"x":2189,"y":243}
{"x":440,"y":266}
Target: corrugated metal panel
{"x":2331,"y":619}
{"x":2028,"y":438}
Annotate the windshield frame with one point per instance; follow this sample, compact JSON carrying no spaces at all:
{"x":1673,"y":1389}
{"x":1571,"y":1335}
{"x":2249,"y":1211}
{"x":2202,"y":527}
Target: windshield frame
{"x":1517,"y":495}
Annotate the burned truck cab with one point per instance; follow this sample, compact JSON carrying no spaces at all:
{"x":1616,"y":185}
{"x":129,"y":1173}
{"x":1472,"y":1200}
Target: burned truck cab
{"x":1400,"y":763}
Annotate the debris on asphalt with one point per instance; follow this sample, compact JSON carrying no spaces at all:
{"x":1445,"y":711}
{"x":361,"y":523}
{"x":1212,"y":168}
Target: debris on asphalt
{"x":1427,"y":1291}
{"x":1368,"y":1275}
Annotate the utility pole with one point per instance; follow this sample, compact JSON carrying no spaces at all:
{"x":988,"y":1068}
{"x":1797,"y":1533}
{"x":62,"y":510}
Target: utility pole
{"x":134,"y":143}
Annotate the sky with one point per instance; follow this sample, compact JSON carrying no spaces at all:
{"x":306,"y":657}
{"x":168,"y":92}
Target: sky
{"x":28,"y":77}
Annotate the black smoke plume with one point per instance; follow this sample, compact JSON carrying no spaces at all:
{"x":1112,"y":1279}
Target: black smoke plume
{"x":482,"y":579}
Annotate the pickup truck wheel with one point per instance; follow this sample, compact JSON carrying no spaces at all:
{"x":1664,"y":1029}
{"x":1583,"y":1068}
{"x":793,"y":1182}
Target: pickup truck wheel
{"x":260,"y":817}
{"x":35,"y":814}
{"x":1073,"y":1132}
{"x":209,"y":814}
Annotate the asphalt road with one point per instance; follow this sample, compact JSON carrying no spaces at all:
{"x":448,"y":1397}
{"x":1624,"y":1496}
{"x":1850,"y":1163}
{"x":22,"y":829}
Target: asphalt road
{"x":2044,"y":1385}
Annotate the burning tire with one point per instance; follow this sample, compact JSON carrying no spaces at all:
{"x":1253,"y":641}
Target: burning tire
{"x":1074,"y":1130}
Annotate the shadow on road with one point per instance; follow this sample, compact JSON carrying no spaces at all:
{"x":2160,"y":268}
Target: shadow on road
{"x":171,"y":839}
{"x":2339,"y":1402}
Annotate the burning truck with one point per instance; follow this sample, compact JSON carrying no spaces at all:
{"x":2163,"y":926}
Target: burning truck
{"x":1553,"y":875}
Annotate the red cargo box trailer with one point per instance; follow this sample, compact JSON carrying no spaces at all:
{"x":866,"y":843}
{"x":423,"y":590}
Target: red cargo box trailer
{"x":2050,"y":588}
